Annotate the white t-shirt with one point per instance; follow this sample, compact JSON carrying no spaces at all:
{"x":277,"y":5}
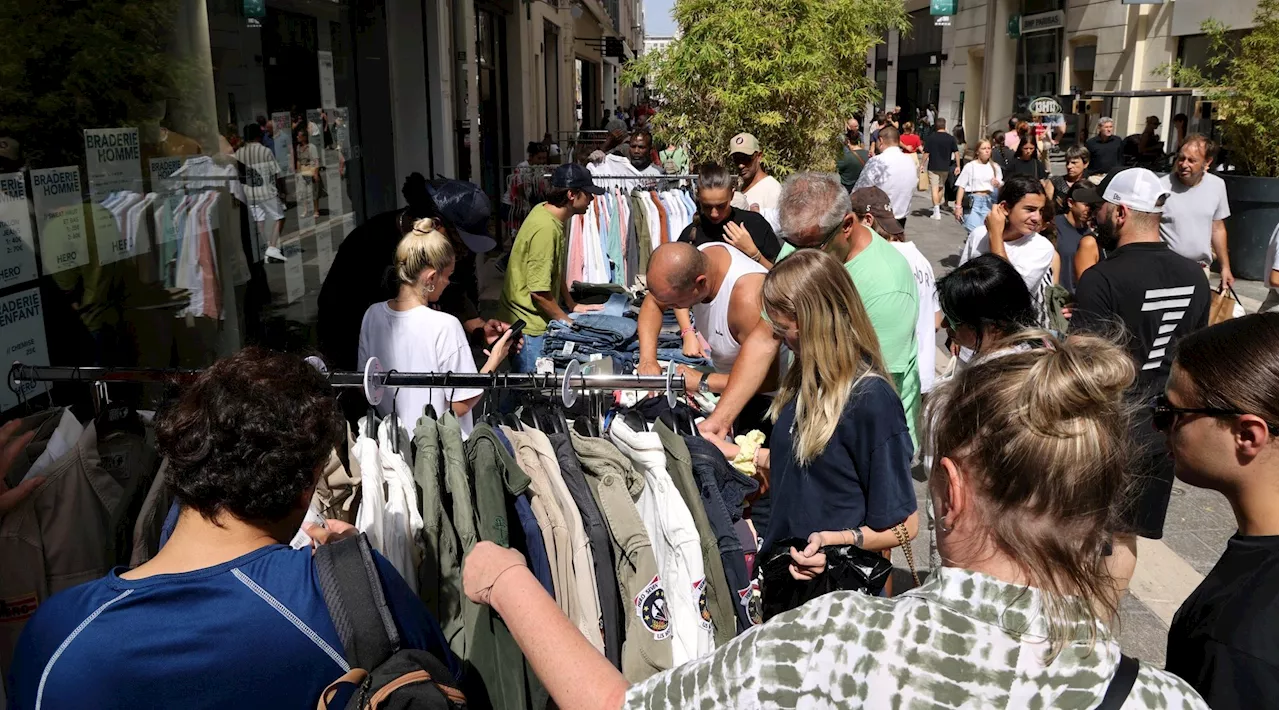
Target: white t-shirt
{"x":617,"y":165}
{"x":895,"y":172}
{"x":1031,"y":255}
{"x":417,"y":340}
{"x":764,"y":194}
{"x":976,"y":177}
{"x":926,"y":330}
{"x":1189,"y":213}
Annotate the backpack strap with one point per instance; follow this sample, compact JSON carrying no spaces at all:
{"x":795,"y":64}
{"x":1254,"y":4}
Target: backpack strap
{"x":1121,"y":683}
{"x":352,"y":591}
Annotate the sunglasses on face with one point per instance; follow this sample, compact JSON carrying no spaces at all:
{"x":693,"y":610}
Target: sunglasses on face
{"x":1164,"y":415}
{"x":820,"y":245}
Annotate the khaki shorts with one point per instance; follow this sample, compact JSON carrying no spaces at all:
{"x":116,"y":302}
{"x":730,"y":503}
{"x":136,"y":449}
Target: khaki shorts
{"x":937,"y":179}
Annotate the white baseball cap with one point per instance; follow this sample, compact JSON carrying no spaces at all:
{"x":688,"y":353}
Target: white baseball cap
{"x":1136,"y":188}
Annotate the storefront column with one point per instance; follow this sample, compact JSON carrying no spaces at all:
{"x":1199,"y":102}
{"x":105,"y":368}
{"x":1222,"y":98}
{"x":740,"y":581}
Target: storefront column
{"x":891,"y":82}
{"x":409,"y":111}
{"x":999,"y":68}
{"x":439,"y":51}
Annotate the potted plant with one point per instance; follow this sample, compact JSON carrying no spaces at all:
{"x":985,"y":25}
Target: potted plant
{"x":1247,"y":95}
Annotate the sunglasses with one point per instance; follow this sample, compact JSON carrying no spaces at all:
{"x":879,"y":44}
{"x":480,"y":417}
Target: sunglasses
{"x":1164,"y":414}
{"x":820,"y":245}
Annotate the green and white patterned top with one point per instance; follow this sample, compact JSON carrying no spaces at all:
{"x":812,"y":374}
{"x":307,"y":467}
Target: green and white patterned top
{"x":961,"y":640}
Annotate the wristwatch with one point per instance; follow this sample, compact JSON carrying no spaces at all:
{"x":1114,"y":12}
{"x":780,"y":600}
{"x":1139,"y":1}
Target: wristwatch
{"x":857,"y":536}
{"x":704,"y":387}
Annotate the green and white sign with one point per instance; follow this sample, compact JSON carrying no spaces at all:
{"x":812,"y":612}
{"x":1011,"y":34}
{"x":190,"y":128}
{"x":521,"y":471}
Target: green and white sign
{"x":942,"y":7}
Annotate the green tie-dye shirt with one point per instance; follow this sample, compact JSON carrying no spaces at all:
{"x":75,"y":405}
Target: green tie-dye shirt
{"x":962,"y":640}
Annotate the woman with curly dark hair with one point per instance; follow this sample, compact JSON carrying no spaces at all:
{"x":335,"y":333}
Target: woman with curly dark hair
{"x":226,"y":614}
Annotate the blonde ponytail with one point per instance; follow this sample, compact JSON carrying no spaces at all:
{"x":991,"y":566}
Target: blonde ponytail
{"x":424,"y":247}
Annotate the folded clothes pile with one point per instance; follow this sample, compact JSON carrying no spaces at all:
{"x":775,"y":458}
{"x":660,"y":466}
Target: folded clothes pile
{"x":611,"y":333}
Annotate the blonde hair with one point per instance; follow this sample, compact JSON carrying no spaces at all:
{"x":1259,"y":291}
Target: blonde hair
{"x":978,"y":146}
{"x":1042,"y":430}
{"x":838,"y":346}
{"x":425,"y":246}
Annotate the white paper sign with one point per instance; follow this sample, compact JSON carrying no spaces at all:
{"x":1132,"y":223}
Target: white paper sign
{"x":305,"y":190}
{"x":281,"y":129}
{"x":17,"y":240}
{"x":60,"y":216}
{"x":294,"y":284}
{"x":22,"y":339}
{"x":114,"y":162}
{"x":328,"y":93}
{"x":166,"y":205}
{"x":336,"y":186}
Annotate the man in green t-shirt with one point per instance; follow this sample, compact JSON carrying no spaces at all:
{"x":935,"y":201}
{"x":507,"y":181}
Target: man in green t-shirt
{"x":534,"y":289}
{"x":881,"y":274}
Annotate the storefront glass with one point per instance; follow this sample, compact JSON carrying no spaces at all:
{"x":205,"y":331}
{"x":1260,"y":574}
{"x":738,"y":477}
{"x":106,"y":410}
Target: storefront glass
{"x":155,"y":157}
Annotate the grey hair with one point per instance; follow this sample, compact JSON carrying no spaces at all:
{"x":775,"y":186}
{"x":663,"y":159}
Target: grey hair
{"x":812,"y":199}
{"x":1106,"y":119}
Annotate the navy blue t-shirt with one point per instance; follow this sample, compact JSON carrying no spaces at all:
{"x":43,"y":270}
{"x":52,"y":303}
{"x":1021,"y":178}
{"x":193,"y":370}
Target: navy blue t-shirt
{"x":862,"y":477}
{"x":250,"y":633}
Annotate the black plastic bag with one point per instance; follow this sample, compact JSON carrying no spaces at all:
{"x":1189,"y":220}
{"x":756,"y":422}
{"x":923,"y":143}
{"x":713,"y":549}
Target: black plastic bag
{"x":849,"y":568}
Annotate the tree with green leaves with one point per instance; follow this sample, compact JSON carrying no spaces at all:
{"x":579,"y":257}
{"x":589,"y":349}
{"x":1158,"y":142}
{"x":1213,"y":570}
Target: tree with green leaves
{"x":1248,"y":90}
{"x":788,"y":71}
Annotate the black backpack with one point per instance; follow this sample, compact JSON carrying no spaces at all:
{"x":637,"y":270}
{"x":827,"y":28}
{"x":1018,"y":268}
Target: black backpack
{"x":386,"y":677}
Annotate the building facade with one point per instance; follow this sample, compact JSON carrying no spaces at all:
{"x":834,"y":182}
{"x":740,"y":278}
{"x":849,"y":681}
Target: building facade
{"x":140,"y":227}
{"x":987,"y":59}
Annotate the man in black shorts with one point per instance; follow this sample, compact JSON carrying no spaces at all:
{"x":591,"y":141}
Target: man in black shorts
{"x":1159,"y":297}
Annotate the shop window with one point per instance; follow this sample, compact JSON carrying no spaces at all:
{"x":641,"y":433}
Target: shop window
{"x":154,"y":164}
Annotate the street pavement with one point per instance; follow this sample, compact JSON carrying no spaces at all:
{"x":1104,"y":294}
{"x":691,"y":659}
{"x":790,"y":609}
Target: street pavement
{"x":1199,"y":522}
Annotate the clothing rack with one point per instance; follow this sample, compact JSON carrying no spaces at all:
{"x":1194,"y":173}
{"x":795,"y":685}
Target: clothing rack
{"x":551,"y":168}
{"x":373,"y":376}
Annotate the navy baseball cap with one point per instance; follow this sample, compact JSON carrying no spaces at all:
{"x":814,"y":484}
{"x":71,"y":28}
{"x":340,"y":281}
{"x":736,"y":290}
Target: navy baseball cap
{"x":465,"y":206}
{"x":572,"y":176}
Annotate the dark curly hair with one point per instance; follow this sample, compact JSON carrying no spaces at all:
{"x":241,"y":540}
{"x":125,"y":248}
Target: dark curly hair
{"x":248,"y":437}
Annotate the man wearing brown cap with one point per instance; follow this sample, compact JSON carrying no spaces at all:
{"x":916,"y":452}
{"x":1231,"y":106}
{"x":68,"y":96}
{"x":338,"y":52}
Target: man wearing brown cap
{"x":760,"y":188}
{"x":872,"y":206}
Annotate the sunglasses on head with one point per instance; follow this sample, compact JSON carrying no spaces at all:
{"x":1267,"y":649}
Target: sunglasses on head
{"x":1164,"y":414}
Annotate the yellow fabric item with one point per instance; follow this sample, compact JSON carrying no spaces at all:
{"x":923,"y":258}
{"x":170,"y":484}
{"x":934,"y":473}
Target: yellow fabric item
{"x":748,"y":444}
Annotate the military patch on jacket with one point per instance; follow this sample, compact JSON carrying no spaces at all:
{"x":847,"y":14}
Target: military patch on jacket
{"x":18,"y":608}
{"x":651,"y":607}
{"x":749,"y":598}
{"x":700,"y":597}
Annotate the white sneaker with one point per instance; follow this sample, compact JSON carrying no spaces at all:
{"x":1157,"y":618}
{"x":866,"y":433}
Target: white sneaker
{"x":274,"y":254}
{"x":936,"y":214}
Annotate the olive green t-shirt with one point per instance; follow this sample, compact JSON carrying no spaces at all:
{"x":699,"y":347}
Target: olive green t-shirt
{"x":887,"y":287}
{"x":536,"y":265}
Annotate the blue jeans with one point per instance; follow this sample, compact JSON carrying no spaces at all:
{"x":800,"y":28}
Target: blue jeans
{"x":527,"y":359}
{"x":975,"y":217}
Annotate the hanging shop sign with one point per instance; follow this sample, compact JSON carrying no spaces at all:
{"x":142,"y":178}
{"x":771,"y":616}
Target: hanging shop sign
{"x":113,"y":159}
{"x":1044,"y":106}
{"x":1014,"y":27}
{"x":60,"y":218}
{"x":1043,"y":22}
{"x":942,"y":7}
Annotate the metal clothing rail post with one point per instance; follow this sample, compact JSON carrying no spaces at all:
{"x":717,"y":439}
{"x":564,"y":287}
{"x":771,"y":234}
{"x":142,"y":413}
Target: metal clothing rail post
{"x":20,"y":373}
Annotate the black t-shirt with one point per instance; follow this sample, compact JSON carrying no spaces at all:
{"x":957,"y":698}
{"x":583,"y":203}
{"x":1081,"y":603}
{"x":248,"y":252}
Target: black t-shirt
{"x":1068,"y":243}
{"x":702,"y":231}
{"x":1224,"y":637}
{"x":940,"y":145}
{"x":1104,"y":155}
{"x":1032,"y":168}
{"x":1158,"y":295}
{"x":358,"y":279}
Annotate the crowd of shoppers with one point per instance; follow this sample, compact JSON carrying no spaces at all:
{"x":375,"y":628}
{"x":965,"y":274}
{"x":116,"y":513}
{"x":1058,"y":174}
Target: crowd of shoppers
{"x":1040,"y":473}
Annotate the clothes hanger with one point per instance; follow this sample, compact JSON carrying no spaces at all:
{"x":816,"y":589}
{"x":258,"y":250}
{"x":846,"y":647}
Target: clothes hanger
{"x":110,"y":418}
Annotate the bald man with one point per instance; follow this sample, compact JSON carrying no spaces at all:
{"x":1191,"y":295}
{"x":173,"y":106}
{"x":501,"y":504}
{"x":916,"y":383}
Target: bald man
{"x":721,"y":285}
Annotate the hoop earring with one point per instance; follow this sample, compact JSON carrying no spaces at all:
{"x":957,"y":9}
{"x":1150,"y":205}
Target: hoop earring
{"x":431,"y":287}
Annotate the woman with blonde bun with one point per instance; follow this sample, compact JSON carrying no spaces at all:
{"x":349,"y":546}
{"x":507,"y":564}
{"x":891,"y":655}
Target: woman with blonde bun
{"x":408,"y":334}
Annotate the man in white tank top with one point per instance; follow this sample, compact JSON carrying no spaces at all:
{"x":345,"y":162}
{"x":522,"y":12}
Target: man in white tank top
{"x":720,"y":285}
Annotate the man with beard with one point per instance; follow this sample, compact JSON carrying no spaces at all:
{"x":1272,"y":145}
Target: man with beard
{"x":1159,"y":297}
{"x":639,"y":161}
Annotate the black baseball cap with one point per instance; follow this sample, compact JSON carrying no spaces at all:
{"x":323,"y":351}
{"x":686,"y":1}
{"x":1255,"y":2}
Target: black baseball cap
{"x":572,"y":176}
{"x":465,"y":206}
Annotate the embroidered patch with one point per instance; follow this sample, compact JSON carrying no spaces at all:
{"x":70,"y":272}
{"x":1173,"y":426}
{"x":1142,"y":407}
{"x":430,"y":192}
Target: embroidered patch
{"x":700,"y":597}
{"x":749,"y":598}
{"x":18,"y":608}
{"x":651,"y":607}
